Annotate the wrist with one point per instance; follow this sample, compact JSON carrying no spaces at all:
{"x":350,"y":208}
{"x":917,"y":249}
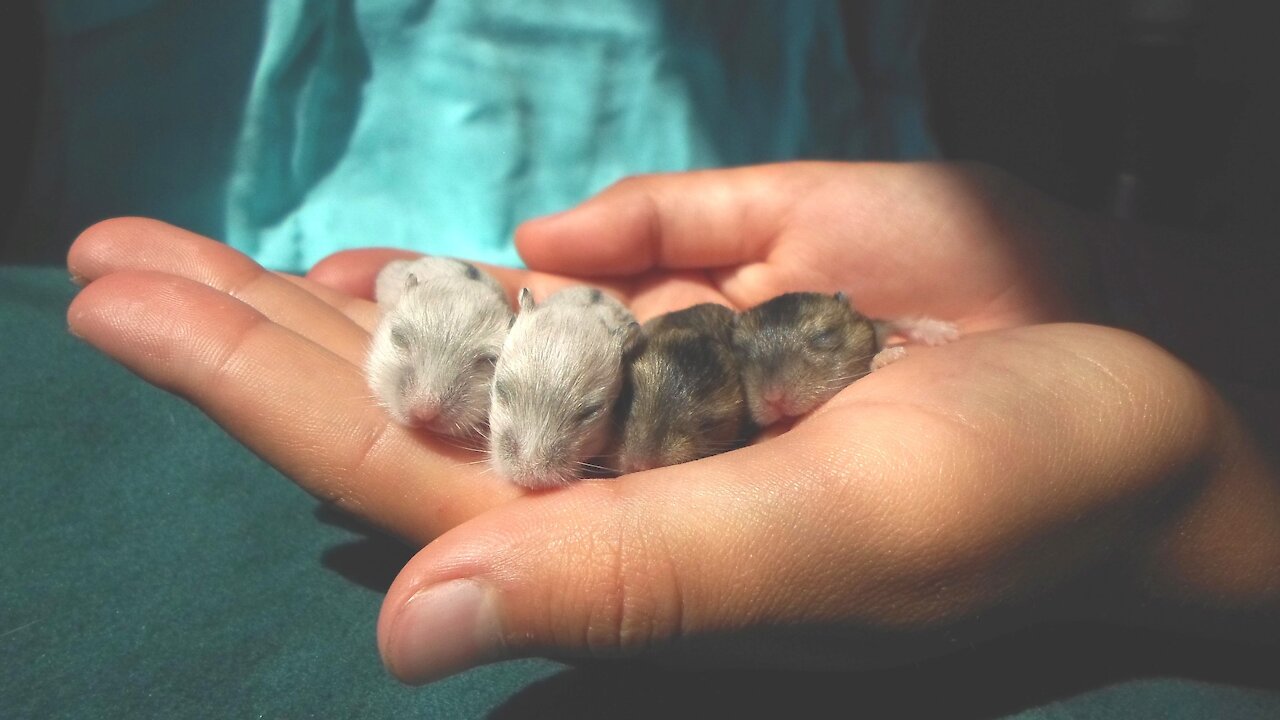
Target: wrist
{"x":1213,"y":564}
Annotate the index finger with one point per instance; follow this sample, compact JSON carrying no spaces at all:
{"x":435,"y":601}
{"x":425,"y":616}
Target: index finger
{"x":675,"y":221}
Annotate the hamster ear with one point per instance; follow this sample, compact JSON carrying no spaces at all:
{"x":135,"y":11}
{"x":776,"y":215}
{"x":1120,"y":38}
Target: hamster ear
{"x":629,"y":337}
{"x":410,"y":281}
{"x":841,"y":296}
{"x":526,"y":300}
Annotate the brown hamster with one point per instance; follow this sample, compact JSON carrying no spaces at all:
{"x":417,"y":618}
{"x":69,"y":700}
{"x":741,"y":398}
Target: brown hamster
{"x":683,"y":398}
{"x":800,"y":349}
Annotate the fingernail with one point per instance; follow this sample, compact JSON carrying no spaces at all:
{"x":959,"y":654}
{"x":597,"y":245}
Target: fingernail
{"x":444,"y":630}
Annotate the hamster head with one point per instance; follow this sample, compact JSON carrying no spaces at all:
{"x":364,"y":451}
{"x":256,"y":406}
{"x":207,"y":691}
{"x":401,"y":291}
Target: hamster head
{"x":556,"y":383}
{"x":394,"y":278}
{"x":683,"y":401}
{"x":433,"y":354}
{"x":798,"y":350}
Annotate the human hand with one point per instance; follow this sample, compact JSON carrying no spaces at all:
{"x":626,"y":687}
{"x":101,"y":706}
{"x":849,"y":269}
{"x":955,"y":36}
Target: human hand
{"x":276,"y":360}
{"x":251,"y":350}
{"x":1048,"y":471}
{"x":956,"y":242}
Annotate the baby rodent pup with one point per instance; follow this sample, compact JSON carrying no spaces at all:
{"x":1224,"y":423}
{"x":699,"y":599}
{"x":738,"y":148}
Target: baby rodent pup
{"x":800,"y":349}
{"x":433,"y":353}
{"x":683,"y":398}
{"x":555,"y":386}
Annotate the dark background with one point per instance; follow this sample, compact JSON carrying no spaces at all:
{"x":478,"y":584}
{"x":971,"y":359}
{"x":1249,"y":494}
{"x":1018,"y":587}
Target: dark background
{"x":1068,"y":95}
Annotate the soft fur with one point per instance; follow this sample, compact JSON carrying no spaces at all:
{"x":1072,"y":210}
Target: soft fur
{"x":556,"y":383}
{"x":434,"y":350}
{"x":801,"y":349}
{"x":683,"y":398}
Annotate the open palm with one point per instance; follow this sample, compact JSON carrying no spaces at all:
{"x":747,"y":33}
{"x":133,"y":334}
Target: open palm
{"x":975,"y":477}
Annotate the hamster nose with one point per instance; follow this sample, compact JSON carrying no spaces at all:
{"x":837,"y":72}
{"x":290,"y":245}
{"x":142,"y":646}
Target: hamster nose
{"x":775,"y":399}
{"x":425,"y":413}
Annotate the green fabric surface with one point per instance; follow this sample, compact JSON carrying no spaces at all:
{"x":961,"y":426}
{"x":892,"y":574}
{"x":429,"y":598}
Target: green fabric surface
{"x":151,"y":567}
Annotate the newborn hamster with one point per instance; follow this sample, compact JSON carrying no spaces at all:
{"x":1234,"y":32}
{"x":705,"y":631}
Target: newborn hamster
{"x":433,"y":353}
{"x":593,"y":301}
{"x":557,"y":380}
{"x":683,"y":398}
{"x":800,"y":349}
{"x":390,"y":283}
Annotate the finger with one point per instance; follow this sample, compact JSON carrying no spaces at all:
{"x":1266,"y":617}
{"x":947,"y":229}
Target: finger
{"x":143,"y":244}
{"x":678,"y":221}
{"x":354,"y":272}
{"x":297,"y":405}
{"x":360,"y":311}
{"x":868,"y":535}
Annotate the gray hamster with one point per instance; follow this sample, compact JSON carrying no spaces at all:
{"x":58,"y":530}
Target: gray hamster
{"x":800,"y":349}
{"x":683,"y":398}
{"x":391,"y":281}
{"x":433,"y":353}
{"x":557,"y":380}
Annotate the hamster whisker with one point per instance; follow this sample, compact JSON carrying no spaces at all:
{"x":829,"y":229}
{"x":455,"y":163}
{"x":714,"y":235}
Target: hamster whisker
{"x":837,"y":383}
{"x":370,"y":397}
{"x":850,"y":377}
{"x":481,"y":461}
{"x":455,"y":444}
{"x":592,"y":466}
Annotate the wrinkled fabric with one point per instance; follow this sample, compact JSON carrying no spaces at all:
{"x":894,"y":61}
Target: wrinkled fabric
{"x":295,"y":128}
{"x":439,"y":126}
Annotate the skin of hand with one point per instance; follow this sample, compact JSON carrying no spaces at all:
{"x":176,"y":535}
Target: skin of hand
{"x":1028,"y":471}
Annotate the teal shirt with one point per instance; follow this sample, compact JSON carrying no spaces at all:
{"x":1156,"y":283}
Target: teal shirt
{"x":440,"y":126}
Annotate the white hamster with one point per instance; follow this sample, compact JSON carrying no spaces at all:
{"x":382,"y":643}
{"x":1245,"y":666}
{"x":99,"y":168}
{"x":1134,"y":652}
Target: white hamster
{"x":433,"y":353}
{"x":556,"y":383}
{"x":391,"y":280}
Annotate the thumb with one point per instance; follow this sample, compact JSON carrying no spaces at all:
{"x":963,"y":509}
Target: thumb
{"x":674,"y":221}
{"x":636,"y":566}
